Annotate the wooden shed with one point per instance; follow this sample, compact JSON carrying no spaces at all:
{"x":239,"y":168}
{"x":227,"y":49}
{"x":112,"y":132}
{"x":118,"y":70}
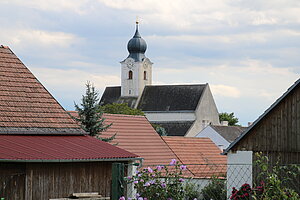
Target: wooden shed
{"x":276,"y":133}
{"x":43,"y":152}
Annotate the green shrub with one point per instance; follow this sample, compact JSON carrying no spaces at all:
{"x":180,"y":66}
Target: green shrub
{"x":191,"y":191}
{"x":215,"y":190}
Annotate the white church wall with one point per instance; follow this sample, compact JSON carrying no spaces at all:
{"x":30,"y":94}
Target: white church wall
{"x":135,"y":86}
{"x":214,"y":136}
{"x":206,"y":113}
{"x":170,"y":116}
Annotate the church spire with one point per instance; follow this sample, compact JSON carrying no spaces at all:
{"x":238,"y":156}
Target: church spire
{"x":137,"y":45}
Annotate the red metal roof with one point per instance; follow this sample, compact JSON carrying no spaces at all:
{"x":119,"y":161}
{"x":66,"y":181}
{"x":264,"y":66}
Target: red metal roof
{"x":135,"y":134}
{"x":202,"y":157}
{"x":58,"y":148}
{"x":25,"y":103}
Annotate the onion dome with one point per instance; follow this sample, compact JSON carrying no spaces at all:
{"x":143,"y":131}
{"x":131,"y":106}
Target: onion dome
{"x":137,"y":46}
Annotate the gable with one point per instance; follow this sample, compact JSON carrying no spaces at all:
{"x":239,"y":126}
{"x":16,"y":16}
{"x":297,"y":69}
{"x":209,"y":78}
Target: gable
{"x":26,"y":107}
{"x":277,"y":129}
{"x":171,"y":97}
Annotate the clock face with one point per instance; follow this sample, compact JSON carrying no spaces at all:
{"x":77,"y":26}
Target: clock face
{"x":145,"y":64}
{"x":130,"y":64}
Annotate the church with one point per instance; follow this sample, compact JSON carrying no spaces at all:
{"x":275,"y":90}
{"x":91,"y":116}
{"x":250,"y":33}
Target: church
{"x":183,"y":110}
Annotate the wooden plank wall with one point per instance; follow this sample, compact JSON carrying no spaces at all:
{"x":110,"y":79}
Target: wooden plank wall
{"x":54,"y":180}
{"x":12,"y":181}
{"x":278,"y":131}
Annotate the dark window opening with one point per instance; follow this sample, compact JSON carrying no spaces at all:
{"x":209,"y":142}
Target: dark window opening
{"x":145,"y":75}
{"x":130,"y":73}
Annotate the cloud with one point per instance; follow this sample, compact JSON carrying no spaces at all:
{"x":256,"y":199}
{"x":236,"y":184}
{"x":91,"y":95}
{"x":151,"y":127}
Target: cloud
{"x":225,"y":90}
{"x":35,"y":37}
{"x":78,"y":6}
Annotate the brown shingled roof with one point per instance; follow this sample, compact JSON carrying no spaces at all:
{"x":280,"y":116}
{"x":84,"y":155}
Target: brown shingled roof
{"x":135,"y":134}
{"x":202,"y":157}
{"x":25,"y":105}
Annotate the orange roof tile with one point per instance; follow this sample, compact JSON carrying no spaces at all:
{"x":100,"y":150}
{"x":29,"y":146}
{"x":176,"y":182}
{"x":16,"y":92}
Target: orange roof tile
{"x":25,"y":105}
{"x":135,"y":134}
{"x":202,"y":157}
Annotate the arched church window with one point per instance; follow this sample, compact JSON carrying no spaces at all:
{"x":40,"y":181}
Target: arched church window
{"x":130,"y":73}
{"x":145,"y":75}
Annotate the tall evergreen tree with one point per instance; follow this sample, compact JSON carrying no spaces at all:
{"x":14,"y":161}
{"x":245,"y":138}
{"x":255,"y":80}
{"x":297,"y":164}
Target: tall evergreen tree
{"x":90,"y":114}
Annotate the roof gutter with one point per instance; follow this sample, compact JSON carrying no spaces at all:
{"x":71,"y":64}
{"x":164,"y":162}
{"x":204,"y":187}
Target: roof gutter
{"x":72,"y":160}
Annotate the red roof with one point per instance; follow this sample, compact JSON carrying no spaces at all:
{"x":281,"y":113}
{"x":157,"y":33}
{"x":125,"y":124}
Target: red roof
{"x":202,"y":157}
{"x":25,"y":103}
{"x":135,"y":134}
{"x":58,"y":148}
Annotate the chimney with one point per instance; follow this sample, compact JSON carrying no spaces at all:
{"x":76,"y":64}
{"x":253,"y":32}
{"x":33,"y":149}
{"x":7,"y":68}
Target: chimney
{"x":224,"y":123}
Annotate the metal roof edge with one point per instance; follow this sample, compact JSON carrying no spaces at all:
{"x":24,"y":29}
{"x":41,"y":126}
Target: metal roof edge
{"x":261,"y":116}
{"x":72,"y":160}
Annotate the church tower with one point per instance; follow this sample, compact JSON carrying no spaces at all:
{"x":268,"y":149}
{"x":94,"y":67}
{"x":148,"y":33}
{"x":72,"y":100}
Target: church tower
{"x":136,"y":69}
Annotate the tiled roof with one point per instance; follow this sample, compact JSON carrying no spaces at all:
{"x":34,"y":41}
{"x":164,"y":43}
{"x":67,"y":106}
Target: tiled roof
{"x":230,"y":133}
{"x":113,"y":95}
{"x":159,"y":97}
{"x":176,"y":128}
{"x":201,"y":155}
{"x":171,"y":97}
{"x":58,"y":148}
{"x":25,"y":105}
{"x":135,"y":134}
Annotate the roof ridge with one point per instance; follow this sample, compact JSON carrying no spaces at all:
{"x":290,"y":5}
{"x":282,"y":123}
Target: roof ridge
{"x":183,"y":84}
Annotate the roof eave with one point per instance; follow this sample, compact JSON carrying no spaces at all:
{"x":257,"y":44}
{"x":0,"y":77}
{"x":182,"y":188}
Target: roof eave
{"x":71,"y":160}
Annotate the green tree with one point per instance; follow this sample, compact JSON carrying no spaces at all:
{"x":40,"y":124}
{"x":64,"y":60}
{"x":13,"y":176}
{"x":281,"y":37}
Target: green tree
{"x":90,"y":114}
{"x":232,"y":120}
{"x":123,"y":108}
{"x":159,"y":129}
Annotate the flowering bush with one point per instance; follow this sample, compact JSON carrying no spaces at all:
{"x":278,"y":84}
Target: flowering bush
{"x":161,"y":182}
{"x":272,"y":188}
{"x":244,"y":192}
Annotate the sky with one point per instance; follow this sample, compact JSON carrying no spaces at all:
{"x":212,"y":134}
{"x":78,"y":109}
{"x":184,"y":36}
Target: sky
{"x":248,"y":51}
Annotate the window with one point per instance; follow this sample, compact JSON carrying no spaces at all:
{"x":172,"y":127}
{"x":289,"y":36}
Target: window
{"x":130,"y":74}
{"x":145,"y":75}
{"x":129,"y":91}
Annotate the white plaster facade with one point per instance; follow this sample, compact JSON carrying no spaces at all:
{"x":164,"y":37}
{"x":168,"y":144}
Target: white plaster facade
{"x":141,"y":76}
{"x":170,"y":116}
{"x":239,"y":169}
{"x":211,"y":133}
{"x":206,"y":113}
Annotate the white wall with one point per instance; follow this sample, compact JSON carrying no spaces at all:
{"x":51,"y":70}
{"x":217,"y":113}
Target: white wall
{"x":137,"y":83}
{"x":206,"y":112}
{"x":214,"y":136}
{"x":239,"y":170}
{"x":170,"y":116}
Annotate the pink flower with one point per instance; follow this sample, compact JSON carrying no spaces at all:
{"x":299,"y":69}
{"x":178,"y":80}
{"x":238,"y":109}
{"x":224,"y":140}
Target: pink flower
{"x":181,"y":180}
{"x":122,"y":198}
{"x":173,"y":162}
{"x":182,"y":167}
{"x":159,"y":167}
{"x":150,"y":170}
